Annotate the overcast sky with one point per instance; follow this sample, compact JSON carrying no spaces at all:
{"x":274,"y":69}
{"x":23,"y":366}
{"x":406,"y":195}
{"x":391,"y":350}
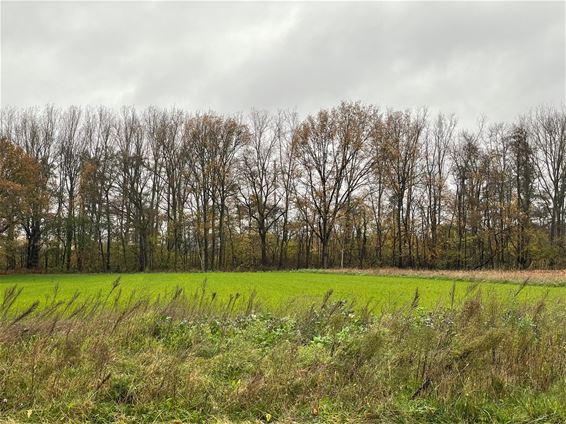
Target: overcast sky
{"x":468,"y":58}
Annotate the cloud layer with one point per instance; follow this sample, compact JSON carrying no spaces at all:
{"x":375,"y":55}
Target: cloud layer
{"x":495,"y":58}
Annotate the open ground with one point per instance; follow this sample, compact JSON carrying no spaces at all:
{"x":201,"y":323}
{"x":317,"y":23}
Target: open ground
{"x":280,"y":290}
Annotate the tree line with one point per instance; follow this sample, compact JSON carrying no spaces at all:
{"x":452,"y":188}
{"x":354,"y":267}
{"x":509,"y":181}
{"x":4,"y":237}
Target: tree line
{"x":96,"y":189}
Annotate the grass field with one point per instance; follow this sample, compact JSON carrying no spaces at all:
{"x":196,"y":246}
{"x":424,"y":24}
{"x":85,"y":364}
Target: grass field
{"x":277,"y":290}
{"x":431,"y":350}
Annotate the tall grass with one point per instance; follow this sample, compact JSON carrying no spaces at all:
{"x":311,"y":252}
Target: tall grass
{"x":191,"y":357}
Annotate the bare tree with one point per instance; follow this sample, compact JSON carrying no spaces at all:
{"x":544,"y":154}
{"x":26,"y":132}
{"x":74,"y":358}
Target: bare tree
{"x":439,"y":138}
{"x":212,"y":143}
{"x":334,"y":161}
{"x":135,"y":186}
{"x":70,"y":156}
{"x":259,"y":177}
{"x":401,"y":139}
{"x":469,"y":171}
{"x":548,"y":132}
{"x":287,"y":124}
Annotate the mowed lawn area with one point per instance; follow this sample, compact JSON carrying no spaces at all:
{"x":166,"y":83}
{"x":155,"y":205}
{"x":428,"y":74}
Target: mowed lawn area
{"x":275,"y":290}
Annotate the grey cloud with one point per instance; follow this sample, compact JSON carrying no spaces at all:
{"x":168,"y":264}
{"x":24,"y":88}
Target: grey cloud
{"x":497,"y":58}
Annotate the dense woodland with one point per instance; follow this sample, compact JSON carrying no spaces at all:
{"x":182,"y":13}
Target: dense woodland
{"x":96,"y":189}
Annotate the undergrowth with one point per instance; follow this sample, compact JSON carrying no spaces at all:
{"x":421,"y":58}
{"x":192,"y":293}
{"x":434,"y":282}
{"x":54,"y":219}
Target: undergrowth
{"x":191,"y":358}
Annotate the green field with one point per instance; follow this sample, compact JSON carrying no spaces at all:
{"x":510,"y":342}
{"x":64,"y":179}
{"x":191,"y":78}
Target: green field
{"x":459,"y":352}
{"x":275,"y":290}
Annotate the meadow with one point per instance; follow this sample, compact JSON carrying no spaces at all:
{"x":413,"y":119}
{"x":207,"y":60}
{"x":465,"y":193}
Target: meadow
{"x":306,"y":347}
{"x":279,"y":291}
